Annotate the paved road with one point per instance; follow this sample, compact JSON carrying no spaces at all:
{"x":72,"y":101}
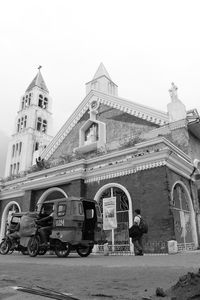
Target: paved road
{"x":95,"y":277}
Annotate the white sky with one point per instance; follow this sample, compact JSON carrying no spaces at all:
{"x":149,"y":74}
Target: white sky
{"x":144,"y":45}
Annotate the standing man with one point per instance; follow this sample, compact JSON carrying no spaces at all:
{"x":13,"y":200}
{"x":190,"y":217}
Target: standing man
{"x":137,"y":234}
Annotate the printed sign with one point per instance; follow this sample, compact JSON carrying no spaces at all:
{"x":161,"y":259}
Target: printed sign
{"x":109,"y":213}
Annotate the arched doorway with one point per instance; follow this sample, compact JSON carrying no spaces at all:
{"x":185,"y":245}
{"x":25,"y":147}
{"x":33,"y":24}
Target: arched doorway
{"x":184,"y":217}
{"x":118,"y":238}
{"x":11,"y":207}
{"x":50,"y":192}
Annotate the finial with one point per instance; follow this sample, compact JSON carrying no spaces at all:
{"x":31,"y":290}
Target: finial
{"x":39,"y":68}
{"x":173,"y":92}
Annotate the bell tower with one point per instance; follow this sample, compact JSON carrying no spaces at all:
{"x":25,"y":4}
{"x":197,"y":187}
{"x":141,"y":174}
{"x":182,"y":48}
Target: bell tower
{"x":102,"y":82}
{"x":33,"y":127}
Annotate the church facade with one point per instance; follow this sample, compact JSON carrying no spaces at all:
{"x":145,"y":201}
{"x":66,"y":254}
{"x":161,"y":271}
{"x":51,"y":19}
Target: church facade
{"x":112,"y":148}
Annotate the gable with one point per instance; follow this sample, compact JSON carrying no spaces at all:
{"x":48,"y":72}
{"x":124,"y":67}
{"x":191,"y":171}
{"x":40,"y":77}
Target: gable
{"x":120,"y":127}
{"x":129,"y":111}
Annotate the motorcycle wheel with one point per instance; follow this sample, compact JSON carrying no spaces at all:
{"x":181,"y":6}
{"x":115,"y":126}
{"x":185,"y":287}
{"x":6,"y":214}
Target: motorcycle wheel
{"x":84,"y":252}
{"x":5,"y":246}
{"x":62,"y":250}
{"x":33,"y":246}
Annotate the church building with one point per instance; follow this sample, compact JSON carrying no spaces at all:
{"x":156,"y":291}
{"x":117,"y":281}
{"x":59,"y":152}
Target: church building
{"x":110,"y":148}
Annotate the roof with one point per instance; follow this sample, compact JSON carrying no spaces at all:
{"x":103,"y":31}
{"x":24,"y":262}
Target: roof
{"x":39,"y":82}
{"x":101,"y":71}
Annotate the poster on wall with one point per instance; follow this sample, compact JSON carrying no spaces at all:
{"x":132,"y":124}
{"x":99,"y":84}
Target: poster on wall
{"x":109,"y":213}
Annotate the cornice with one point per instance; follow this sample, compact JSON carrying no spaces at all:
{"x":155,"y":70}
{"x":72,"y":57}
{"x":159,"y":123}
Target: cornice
{"x":151,"y":154}
{"x":11,"y":194}
{"x":133,"y":108}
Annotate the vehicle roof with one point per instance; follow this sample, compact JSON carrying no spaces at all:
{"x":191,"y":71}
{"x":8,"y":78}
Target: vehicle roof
{"x":18,"y":214}
{"x":70,"y":199}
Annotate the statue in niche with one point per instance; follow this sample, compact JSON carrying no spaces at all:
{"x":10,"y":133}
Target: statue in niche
{"x":173,"y":92}
{"x":91,"y":134}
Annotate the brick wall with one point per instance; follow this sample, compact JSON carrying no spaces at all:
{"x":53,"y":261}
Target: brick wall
{"x":149,"y":191}
{"x":119,"y":126}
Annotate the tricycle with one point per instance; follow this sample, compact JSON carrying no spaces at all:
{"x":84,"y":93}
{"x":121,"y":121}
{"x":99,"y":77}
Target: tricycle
{"x":77,"y":226}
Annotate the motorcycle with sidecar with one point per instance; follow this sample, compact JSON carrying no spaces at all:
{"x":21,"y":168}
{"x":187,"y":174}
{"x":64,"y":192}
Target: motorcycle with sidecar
{"x":77,"y":226}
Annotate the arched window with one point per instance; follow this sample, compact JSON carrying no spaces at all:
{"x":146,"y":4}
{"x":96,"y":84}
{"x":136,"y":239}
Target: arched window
{"x":11,"y":169}
{"x":14,"y":169}
{"x":118,"y":237}
{"x":16,"y":149}
{"x":39,"y":124}
{"x":23,"y":99}
{"x":13,"y":150}
{"x":29,"y":98}
{"x":40,"y":101}
{"x":18,"y":125}
{"x":182,"y":216}
{"x":22,"y":123}
{"x":17,"y":167}
{"x":44,"y":126}
{"x":20,"y":148}
{"x":45,"y":105}
{"x":36,"y":146}
{"x":25,"y":121}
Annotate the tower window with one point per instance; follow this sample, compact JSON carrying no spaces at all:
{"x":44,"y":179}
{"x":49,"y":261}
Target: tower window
{"x":16,"y":149}
{"x":26,"y":101}
{"x":18,"y":125}
{"x":29,"y":99}
{"x":25,"y":121}
{"x":14,"y":169}
{"x":40,"y":101}
{"x":13,"y":150}
{"x":43,"y":102}
{"x":22,"y":123}
{"x":11,"y":169}
{"x":17,"y":167}
{"x":36,"y":146}
{"x":23,"y":102}
{"x":44,"y":126}
{"x":20,"y":148}
{"x":39,"y":124}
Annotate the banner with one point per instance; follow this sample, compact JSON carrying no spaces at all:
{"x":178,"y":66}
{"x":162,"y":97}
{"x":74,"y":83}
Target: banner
{"x":109,"y":213}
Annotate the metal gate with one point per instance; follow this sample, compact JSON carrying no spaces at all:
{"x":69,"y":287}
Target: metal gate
{"x":118,"y":238}
{"x":182,"y":218}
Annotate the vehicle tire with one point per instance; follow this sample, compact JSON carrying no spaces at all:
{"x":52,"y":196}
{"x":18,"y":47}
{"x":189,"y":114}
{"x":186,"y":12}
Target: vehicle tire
{"x":62,"y":250}
{"x":5,"y":246}
{"x":85,"y":251}
{"x":33,"y":246}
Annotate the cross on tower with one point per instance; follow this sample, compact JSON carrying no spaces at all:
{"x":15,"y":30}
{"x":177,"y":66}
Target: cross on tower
{"x":39,"y":67}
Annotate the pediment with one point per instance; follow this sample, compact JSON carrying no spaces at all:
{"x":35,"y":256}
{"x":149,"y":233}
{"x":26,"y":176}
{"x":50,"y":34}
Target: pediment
{"x":140,"y":111}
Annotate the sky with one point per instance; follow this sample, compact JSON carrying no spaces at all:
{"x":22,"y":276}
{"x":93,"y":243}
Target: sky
{"x":144,"y":45}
